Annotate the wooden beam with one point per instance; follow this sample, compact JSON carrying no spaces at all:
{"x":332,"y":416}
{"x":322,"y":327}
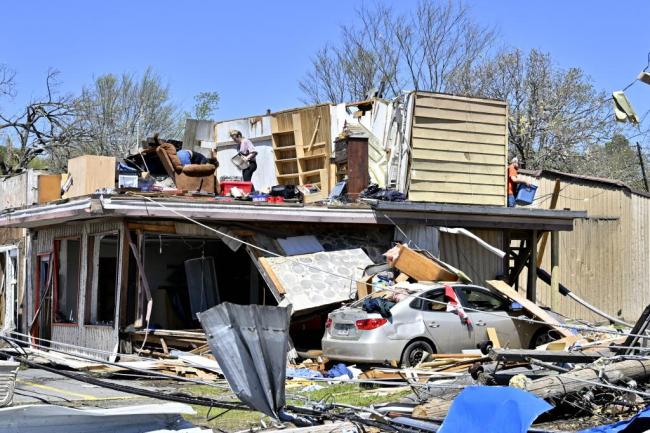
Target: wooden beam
{"x":153,"y":227}
{"x":542,"y":355}
{"x":555,"y":261}
{"x":542,"y":245}
{"x":531,"y":307}
{"x":531,"y":284}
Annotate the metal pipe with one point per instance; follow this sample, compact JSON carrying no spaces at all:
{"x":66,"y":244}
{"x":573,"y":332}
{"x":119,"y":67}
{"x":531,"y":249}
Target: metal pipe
{"x":565,"y":291}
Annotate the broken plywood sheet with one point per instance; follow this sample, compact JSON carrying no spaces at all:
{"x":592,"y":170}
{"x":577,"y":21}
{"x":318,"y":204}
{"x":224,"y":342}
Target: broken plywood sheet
{"x":314,"y":280}
{"x":531,"y":307}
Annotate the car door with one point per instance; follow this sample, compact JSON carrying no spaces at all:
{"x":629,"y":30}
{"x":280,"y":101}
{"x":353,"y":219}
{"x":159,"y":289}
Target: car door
{"x":446,"y":329}
{"x":487,"y":310}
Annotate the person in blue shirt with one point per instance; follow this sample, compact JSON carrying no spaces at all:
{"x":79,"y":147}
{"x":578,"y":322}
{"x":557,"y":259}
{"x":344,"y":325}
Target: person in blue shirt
{"x":189,"y":157}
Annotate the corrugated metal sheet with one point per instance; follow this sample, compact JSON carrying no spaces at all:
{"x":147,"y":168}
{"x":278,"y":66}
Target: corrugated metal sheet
{"x":419,"y":236}
{"x":96,"y":337}
{"x":459,"y":150}
{"x":605,"y":259}
{"x":467,"y":255}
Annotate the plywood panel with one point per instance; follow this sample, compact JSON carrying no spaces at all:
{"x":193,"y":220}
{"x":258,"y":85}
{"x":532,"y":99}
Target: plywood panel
{"x":89,"y":173}
{"x":49,"y":187}
{"x":469,"y":137}
{"x":467,"y":157}
{"x":457,"y":146}
{"x":465,"y":116}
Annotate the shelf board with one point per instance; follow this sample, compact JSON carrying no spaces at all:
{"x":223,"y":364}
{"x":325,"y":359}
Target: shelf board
{"x":286,"y":160}
{"x":311,"y":172}
{"x":290,"y":131}
{"x":313,"y":156}
{"x":287,"y":176}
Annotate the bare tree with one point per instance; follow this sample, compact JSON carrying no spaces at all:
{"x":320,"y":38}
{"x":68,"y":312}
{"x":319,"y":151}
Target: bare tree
{"x":417,"y":50}
{"x":554,"y":113}
{"x":117,"y":111}
{"x":46,"y":126}
{"x":6,"y":80}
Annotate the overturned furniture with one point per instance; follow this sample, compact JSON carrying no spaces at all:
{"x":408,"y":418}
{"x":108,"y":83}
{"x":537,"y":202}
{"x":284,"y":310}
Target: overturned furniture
{"x":190,"y":177}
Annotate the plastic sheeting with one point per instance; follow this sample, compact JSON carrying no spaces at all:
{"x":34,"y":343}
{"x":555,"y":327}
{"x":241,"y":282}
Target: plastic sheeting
{"x":493,"y":409}
{"x":250,"y":343}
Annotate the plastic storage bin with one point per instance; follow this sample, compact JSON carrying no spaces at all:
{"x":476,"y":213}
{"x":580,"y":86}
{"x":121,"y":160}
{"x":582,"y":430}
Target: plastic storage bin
{"x":526,"y":194}
{"x":226,"y":185}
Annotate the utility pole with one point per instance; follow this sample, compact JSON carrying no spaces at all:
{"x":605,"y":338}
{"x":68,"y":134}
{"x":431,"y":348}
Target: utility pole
{"x":645,"y":179}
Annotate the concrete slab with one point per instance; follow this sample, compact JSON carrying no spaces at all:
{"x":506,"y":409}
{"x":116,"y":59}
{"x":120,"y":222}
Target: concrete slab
{"x":40,"y":386}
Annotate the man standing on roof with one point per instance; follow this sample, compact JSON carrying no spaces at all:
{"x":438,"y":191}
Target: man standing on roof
{"x":514,"y":178}
{"x":247,"y":150}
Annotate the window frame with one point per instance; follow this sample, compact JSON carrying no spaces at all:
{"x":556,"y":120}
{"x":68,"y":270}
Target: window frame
{"x":463,"y":299}
{"x":421,"y":302}
{"x":91,"y":286}
{"x":55,"y":289}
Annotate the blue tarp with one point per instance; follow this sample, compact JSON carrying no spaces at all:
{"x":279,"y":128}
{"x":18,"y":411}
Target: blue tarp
{"x":640,"y":423}
{"x":493,"y":409}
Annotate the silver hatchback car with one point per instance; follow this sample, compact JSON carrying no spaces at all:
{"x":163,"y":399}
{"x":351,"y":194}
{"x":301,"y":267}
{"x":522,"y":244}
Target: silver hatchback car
{"x":417,"y":325}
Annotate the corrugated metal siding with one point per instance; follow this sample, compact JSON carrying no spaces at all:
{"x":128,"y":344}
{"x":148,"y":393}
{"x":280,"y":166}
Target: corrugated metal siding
{"x":459,"y":150}
{"x":419,"y":236}
{"x":96,"y":337}
{"x":467,"y":255}
{"x":606,"y":258}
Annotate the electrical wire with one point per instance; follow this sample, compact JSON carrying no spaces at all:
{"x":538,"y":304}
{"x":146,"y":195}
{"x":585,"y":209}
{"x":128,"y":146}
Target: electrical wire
{"x":387,"y":288}
{"x":115,"y":364}
{"x":176,"y":396}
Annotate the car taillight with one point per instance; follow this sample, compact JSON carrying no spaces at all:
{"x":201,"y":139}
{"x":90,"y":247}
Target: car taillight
{"x":368,"y":324}
{"x":328,"y":323}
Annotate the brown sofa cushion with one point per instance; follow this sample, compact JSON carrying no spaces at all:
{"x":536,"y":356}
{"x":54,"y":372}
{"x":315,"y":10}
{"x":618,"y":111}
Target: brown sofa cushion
{"x":197,"y":170}
{"x":170,"y":151}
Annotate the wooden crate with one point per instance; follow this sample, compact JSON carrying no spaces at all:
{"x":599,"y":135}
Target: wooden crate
{"x":89,"y":173}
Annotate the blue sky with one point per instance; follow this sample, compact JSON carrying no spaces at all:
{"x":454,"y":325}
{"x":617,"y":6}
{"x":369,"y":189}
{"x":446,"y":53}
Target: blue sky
{"x":254,"y":52}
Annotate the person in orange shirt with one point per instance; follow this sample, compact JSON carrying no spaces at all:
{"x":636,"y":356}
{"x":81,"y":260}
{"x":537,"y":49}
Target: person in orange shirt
{"x":514,"y":178}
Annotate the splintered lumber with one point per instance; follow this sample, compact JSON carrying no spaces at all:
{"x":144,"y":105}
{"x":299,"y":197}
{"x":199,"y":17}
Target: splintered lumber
{"x":557,"y":385}
{"x":420,"y":267}
{"x":506,"y":355}
{"x":529,"y":306}
{"x":493,"y":337}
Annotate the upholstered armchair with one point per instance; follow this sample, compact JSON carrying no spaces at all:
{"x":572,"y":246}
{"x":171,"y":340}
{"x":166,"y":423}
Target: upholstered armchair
{"x":190,"y":177}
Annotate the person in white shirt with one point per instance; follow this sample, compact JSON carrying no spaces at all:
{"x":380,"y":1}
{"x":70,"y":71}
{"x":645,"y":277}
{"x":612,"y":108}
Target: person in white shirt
{"x":247,"y":150}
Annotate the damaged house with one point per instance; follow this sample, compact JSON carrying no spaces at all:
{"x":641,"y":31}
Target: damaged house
{"x":125,"y":270}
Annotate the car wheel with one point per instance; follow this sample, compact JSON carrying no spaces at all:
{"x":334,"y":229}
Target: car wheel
{"x":543,"y":336}
{"x":415,"y":351}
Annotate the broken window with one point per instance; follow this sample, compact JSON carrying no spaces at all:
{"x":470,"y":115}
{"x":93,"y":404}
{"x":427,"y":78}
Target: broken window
{"x":101,"y":290}
{"x":66,"y":293}
{"x":482,"y":301}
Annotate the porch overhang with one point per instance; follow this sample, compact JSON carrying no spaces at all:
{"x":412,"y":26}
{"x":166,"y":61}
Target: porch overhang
{"x":180,"y":208}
